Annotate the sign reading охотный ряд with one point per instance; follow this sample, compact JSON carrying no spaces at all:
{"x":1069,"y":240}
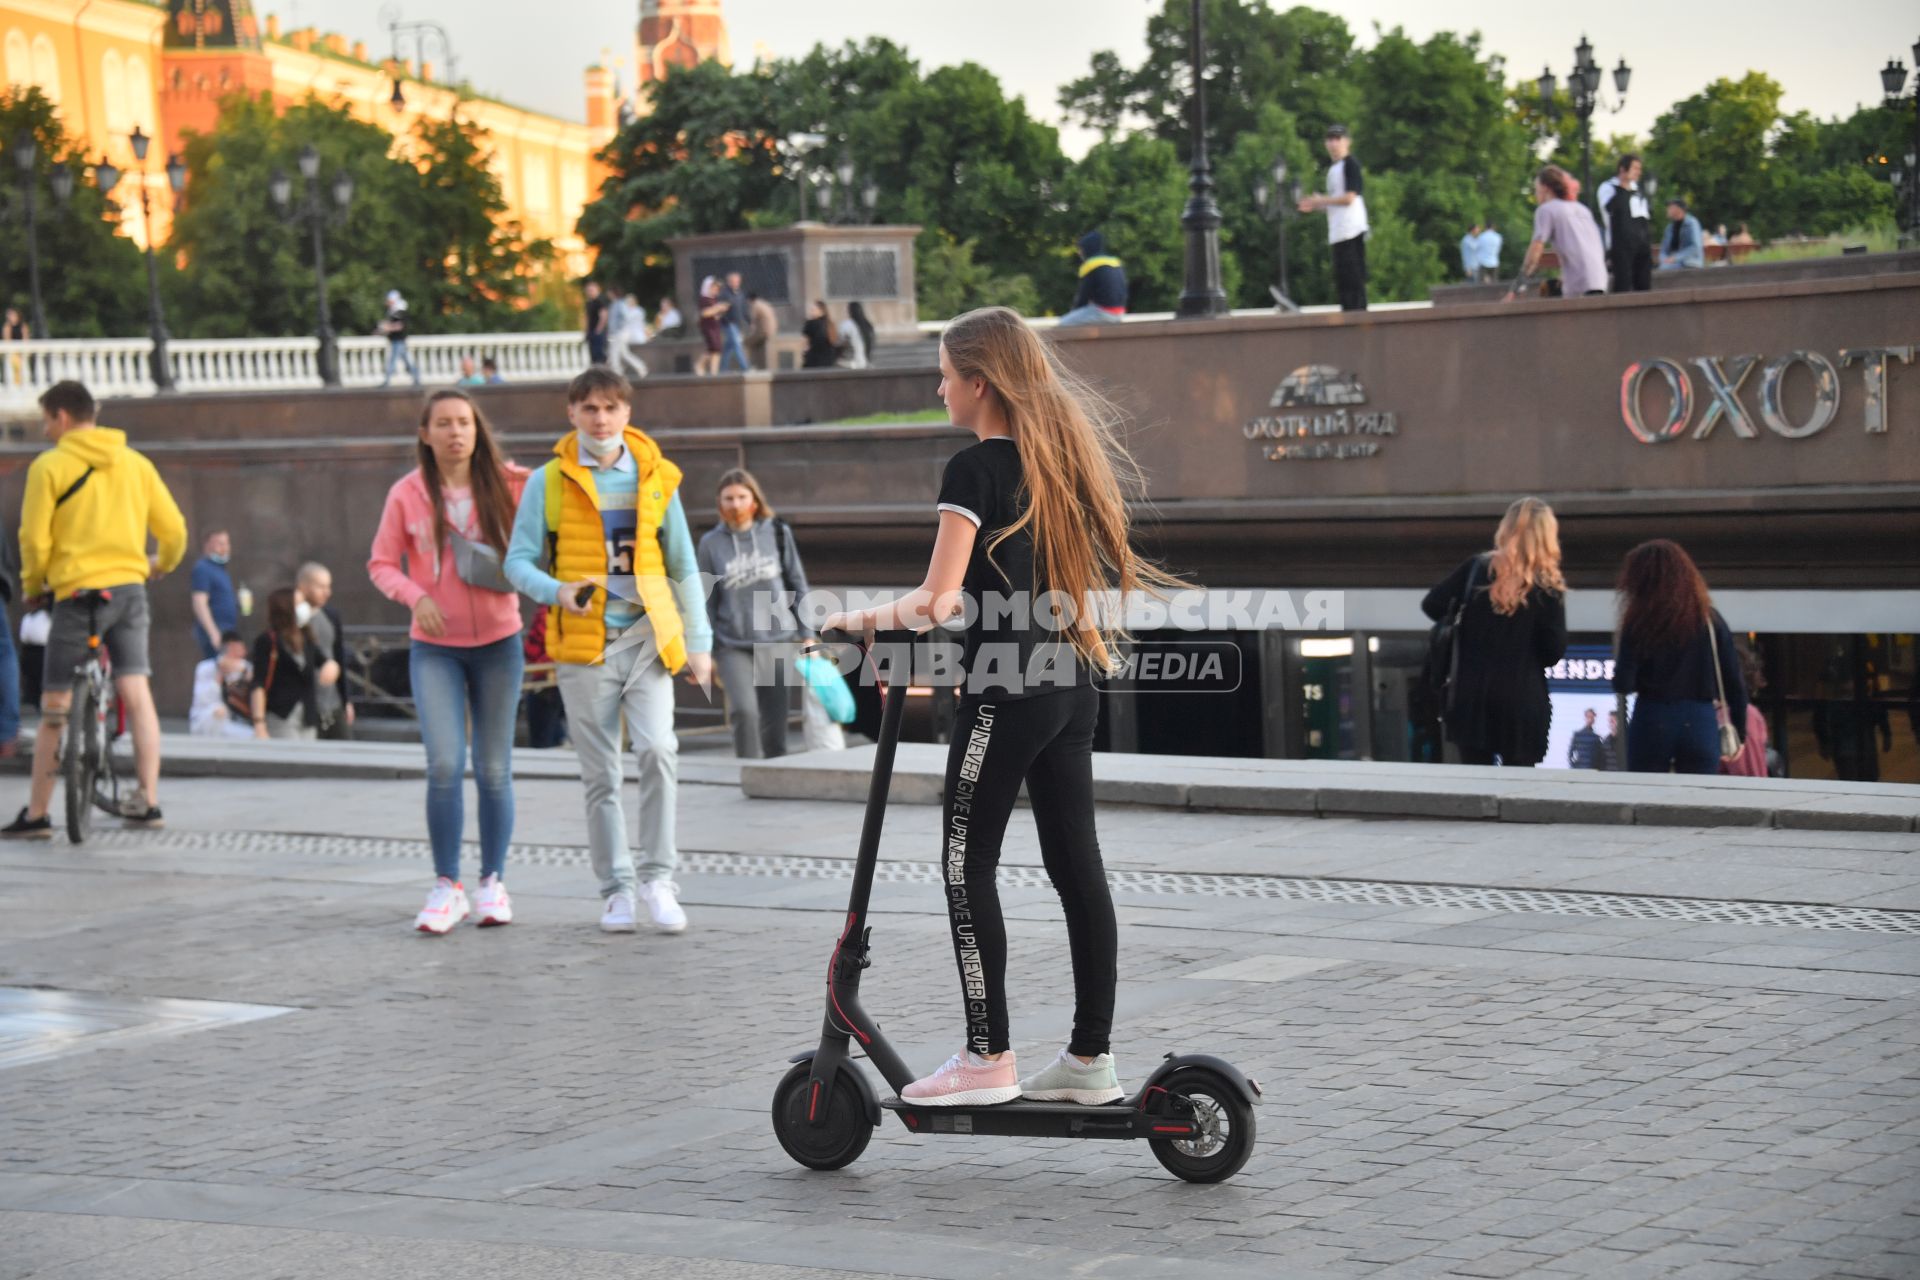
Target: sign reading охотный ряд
{"x":1318,"y":417}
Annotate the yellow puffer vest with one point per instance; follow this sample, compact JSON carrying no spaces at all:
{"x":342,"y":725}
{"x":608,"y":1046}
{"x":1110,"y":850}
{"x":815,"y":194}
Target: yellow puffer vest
{"x":577,"y":541}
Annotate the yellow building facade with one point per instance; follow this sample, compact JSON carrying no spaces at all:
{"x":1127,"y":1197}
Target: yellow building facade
{"x":163,"y":66}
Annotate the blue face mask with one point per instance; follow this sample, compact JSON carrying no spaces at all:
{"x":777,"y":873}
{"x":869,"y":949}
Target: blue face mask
{"x":217,"y":559}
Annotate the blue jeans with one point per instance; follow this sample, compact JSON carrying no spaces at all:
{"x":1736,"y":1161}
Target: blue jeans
{"x":1089,"y":314}
{"x":1681,"y":736}
{"x":9,"y":681}
{"x":397,"y":354}
{"x":733,"y":350}
{"x":449,"y":681}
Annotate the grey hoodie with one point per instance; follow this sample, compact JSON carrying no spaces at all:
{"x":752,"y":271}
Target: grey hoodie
{"x":758,"y":561}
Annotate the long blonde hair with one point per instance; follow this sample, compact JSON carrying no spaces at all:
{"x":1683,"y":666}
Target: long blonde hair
{"x":1075,"y":474}
{"x":1526,"y":555}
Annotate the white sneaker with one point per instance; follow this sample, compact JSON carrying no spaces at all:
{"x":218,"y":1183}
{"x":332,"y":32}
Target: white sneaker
{"x":663,"y":903}
{"x":446,"y":907}
{"x":618,"y":917}
{"x":492,"y":905}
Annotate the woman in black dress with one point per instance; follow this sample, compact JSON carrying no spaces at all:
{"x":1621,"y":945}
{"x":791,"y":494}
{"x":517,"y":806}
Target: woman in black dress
{"x":1513,"y":628}
{"x":822,"y":351}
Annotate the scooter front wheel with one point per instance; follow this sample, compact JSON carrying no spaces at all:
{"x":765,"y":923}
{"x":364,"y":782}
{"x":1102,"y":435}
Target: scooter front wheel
{"x":833,"y":1145}
{"x":1225,"y":1124}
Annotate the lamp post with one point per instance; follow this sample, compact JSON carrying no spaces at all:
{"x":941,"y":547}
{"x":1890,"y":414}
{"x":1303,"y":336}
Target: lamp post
{"x":419,"y":32}
{"x":26,"y":159}
{"x":317,"y":215}
{"x":1893,"y":79}
{"x":843,"y":204}
{"x":1276,"y":202}
{"x":1202,"y":295}
{"x":1583,"y":85}
{"x":159,"y":366}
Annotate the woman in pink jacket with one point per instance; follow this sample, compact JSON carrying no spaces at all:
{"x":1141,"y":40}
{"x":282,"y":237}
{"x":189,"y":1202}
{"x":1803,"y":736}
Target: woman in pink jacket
{"x":438,"y":552}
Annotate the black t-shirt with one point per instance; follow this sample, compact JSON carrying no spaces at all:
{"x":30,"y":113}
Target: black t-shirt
{"x":596,"y":311}
{"x":1012,"y":648}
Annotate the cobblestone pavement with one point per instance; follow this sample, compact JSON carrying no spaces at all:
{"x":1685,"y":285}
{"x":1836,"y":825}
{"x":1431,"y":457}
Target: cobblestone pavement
{"x":1551,"y":1081}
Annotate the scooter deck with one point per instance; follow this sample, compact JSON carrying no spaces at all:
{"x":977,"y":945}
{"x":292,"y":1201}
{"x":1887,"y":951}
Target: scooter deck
{"x":1024,"y":1119}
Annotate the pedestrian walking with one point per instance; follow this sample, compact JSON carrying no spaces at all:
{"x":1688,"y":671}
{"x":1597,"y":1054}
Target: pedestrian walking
{"x":856,"y":338}
{"x":712,"y":313}
{"x":393,"y":323}
{"x":10,"y":665}
{"x":625,"y":615}
{"x":735,"y":322}
{"x":598,"y":313}
{"x":757,"y":579}
{"x":1480,"y":254}
{"x":763,"y":327}
{"x":288,"y":666}
{"x":1508,"y":609}
{"x":628,"y":324}
{"x":1674,"y":652}
{"x":216,"y":608}
{"x":333,"y":704}
{"x":822,"y":351}
{"x":1346,"y":208}
{"x":1036,"y":505}
{"x":443,"y":534}
{"x":1562,"y":222}
{"x":15,"y":329}
{"x":1752,"y":762}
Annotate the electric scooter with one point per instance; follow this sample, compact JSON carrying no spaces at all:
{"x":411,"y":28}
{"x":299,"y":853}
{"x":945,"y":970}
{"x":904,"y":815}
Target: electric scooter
{"x":1195,"y":1111}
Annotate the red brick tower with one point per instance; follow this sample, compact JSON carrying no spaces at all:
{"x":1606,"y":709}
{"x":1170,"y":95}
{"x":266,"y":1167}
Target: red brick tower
{"x":209,"y":49}
{"x":678,"y":33}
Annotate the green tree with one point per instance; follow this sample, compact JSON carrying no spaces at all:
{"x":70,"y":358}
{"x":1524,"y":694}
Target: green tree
{"x":1439,"y":115}
{"x":428,"y":226}
{"x":1250,"y":235}
{"x":1711,"y":148}
{"x":950,"y":281}
{"x":1298,"y":58}
{"x":701,"y":158}
{"x":92,"y":281}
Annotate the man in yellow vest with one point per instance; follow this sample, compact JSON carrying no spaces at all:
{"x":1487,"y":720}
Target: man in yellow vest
{"x":626,"y":613}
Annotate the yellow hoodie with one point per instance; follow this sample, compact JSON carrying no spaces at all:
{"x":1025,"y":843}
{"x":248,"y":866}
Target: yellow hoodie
{"x":97,"y":536}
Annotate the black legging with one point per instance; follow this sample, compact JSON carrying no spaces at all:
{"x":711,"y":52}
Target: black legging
{"x":1047,"y":741}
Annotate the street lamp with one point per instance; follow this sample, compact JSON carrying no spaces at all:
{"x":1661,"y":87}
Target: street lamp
{"x":1202,"y":294}
{"x":160,"y":367}
{"x":1893,"y":81}
{"x":26,"y":159}
{"x":1277,"y":201}
{"x":419,"y":32}
{"x":316,"y":214}
{"x":1583,"y":86}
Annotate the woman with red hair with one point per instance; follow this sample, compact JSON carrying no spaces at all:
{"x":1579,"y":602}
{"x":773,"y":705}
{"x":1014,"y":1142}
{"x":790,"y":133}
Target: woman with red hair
{"x":1677,"y":655}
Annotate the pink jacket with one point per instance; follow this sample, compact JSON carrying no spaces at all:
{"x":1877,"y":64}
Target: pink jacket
{"x":474,"y":616}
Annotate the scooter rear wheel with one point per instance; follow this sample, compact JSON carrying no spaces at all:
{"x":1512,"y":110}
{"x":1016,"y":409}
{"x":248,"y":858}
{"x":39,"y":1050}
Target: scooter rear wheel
{"x":833,"y":1145}
{"x":1226,"y":1124}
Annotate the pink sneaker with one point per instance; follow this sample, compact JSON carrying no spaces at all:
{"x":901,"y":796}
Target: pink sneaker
{"x":966,"y":1081}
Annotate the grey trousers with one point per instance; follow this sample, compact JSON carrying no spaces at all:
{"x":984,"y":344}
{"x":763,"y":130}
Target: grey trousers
{"x":630,"y":681}
{"x":756,"y":698}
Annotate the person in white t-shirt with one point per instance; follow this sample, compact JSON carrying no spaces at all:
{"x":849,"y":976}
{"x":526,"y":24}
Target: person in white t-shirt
{"x":1346,"y":209}
{"x":221,"y":686}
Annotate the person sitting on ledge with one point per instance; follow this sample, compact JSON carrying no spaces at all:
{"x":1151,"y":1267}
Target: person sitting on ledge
{"x":1102,"y":295}
{"x":1682,"y":245}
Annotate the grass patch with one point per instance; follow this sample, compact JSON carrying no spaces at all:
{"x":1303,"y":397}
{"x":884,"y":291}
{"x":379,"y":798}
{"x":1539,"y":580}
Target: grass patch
{"x":1880,"y":239}
{"x":917,"y":417}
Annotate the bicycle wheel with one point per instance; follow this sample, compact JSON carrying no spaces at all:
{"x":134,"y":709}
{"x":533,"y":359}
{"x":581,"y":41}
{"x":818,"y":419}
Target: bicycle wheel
{"x":80,"y":758}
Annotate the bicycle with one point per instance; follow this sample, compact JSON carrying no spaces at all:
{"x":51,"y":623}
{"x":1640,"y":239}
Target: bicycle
{"x":86,"y":754}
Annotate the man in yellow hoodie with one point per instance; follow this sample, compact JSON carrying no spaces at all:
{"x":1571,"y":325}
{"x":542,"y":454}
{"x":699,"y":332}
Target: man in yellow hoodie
{"x":90,"y":504}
